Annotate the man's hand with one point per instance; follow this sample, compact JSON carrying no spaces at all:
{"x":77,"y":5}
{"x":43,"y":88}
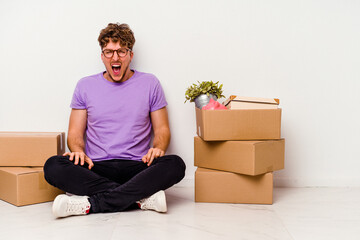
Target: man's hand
{"x":152,"y":154}
{"x":76,"y":156}
{"x":160,"y":124}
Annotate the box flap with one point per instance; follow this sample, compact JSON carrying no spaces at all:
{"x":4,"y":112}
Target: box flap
{"x":235,"y":98}
{"x":29,"y":134}
{"x":21,"y":170}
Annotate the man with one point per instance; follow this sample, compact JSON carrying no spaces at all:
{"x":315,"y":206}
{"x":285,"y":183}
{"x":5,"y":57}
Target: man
{"x":111,"y":166}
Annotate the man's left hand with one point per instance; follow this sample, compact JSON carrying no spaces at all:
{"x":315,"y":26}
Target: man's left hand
{"x":152,"y":154}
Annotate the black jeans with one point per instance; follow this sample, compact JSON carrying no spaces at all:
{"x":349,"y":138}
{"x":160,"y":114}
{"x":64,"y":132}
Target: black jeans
{"x":114,"y":185}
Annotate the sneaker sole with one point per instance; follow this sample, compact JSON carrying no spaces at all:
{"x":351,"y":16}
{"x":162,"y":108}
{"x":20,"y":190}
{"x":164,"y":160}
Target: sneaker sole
{"x":57,"y":205}
{"x":162,"y":199}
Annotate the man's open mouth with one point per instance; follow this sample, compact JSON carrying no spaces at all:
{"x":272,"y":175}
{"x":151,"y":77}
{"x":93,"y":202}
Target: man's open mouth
{"x":116,"y":68}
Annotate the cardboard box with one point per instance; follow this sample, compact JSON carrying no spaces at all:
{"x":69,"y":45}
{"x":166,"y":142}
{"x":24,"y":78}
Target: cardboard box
{"x":245,"y":157}
{"x":244,"y":124}
{"x":225,"y":187}
{"x":237,"y":102}
{"x":30,"y":148}
{"x":25,"y":185}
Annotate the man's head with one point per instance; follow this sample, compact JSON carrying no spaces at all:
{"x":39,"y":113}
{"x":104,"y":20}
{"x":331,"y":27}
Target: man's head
{"x":117,"y":33}
{"x":116,"y":42}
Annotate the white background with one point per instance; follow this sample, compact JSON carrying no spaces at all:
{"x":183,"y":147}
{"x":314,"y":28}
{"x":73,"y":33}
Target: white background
{"x":306,"y":53}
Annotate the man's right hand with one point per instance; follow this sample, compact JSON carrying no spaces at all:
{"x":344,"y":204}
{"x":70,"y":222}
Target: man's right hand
{"x":79,"y":156}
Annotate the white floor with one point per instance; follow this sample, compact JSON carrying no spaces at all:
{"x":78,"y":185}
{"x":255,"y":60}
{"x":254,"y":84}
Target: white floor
{"x":297,"y":213}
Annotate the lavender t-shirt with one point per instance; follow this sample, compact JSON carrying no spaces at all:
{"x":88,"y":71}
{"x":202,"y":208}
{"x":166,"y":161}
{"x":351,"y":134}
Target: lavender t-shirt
{"x":118,"y":114}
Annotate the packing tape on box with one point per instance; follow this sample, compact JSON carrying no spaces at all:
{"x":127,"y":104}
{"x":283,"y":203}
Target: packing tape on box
{"x":62,"y":136}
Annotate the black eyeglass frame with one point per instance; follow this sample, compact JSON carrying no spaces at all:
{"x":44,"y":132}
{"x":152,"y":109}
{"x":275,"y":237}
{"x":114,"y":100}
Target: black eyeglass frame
{"x":117,"y":51}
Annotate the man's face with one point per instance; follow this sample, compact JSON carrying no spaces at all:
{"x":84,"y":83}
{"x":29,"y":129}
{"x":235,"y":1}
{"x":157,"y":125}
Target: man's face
{"x":117,"y":68}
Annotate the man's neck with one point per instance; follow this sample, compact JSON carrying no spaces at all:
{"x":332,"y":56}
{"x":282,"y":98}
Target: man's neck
{"x":127,"y":76}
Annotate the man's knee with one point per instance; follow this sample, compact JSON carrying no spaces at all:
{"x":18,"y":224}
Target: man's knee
{"x":178,"y":166}
{"x":51,"y":167}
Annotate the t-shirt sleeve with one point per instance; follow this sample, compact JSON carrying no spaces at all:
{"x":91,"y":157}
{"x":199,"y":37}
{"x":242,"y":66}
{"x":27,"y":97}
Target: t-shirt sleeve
{"x":77,"y":101}
{"x":158,"y":99}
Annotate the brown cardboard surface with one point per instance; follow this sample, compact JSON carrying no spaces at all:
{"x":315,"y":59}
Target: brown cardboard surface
{"x":30,"y":148}
{"x":239,"y":102}
{"x":245,"y":157}
{"x":250,"y":105}
{"x":225,"y":187}
{"x":244,"y":124}
{"x":25,"y":185}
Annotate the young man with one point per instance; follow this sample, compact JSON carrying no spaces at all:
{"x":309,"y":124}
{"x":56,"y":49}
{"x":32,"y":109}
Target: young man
{"x":111,"y":166}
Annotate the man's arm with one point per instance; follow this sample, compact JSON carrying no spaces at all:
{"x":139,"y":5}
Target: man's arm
{"x":77,"y":126}
{"x":160,"y":124}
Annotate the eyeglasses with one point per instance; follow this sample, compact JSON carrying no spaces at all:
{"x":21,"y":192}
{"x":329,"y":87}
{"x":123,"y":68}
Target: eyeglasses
{"x":121,"y":52}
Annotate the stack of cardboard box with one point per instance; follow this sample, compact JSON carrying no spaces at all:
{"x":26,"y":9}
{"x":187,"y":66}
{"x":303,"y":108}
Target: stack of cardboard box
{"x":22,"y":157}
{"x":237,"y":150}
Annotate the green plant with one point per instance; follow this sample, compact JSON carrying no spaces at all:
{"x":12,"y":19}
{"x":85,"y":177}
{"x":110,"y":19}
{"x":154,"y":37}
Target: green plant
{"x":205,"y":87}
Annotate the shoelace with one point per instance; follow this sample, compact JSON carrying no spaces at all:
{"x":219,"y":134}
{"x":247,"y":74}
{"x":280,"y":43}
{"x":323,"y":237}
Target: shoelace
{"x":77,"y":206}
{"x":147,"y":202}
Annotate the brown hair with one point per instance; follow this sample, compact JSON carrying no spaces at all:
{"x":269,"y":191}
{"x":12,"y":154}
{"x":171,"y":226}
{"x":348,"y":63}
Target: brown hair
{"x":117,"y":32}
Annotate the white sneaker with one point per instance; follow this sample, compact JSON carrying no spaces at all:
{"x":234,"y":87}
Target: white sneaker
{"x":156,"y":202}
{"x":65,"y":206}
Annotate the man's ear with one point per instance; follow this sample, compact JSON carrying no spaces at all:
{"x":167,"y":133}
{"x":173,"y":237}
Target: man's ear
{"x":131,"y":55}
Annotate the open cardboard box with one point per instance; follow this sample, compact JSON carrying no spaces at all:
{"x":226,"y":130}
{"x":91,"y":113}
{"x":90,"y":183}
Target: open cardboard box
{"x":25,"y":185}
{"x":245,"y":157}
{"x":244,"y":124}
{"x":226,"y":187}
{"x":30,"y":148}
